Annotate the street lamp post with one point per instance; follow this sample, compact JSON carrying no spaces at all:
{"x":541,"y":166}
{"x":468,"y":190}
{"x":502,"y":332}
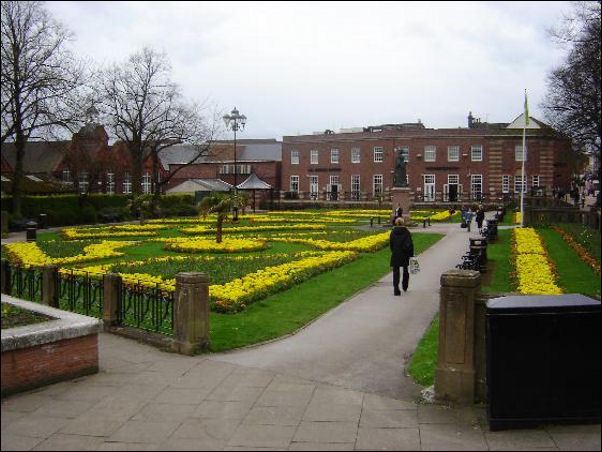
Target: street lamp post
{"x":235,"y":122}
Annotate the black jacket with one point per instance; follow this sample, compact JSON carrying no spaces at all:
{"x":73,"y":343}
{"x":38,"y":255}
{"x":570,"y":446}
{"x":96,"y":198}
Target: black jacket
{"x":402,"y":247}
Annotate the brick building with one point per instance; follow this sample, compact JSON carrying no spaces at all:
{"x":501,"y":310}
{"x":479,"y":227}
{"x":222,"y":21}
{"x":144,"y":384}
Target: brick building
{"x":479,"y":162}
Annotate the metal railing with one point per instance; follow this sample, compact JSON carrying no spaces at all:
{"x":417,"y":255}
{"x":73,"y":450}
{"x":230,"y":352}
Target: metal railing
{"x":147,"y":308}
{"x":82,"y":294}
{"x":25,"y":282}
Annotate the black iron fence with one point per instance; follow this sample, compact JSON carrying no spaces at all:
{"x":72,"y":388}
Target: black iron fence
{"x":25,"y":282}
{"x":147,"y":308}
{"x":79,"y":292}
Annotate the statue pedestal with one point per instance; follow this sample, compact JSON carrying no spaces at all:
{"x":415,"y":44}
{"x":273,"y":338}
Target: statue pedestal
{"x":401,"y":196}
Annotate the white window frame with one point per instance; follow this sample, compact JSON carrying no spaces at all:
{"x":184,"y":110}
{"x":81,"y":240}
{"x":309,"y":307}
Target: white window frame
{"x":518,"y":153}
{"x":476,"y":180}
{"x":378,"y":154}
{"x":453,"y":153}
{"x":356,"y":186}
{"x":314,"y":157}
{"x":355,"y":155}
{"x":127,"y":183}
{"x":146,"y":183}
{"x":314,"y":185}
{"x":110,"y":183}
{"x":430,"y":180}
{"x":294,"y":183}
{"x":476,"y":153}
{"x":334,"y":156}
{"x":294,"y":157}
{"x":67,"y":176}
{"x":83,"y":182}
{"x":377,"y":184}
{"x":517,"y":184}
{"x":430,"y":153}
{"x":506,"y":178}
{"x":535,"y":181}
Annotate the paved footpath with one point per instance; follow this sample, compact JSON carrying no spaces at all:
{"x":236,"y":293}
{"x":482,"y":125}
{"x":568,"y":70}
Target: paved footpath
{"x":338,"y":384}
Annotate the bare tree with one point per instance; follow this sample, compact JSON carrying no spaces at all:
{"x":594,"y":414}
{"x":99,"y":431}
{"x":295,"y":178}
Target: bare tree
{"x":573,"y":102}
{"x":38,"y":74}
{"x":145,"y":110}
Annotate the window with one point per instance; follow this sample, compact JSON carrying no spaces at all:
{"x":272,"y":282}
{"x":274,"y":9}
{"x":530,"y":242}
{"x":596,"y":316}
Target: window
{"x":313,"y":157}
{"x":229,"y":169}
{"x":294,"y":157}
{"x":377,"y":184}
{"x":476,"y":153}
{"x":110,"y":183}
{"x":66,"y":176}
{"x":334,"y":156}
{"x":520,"y":183}
{"x":355,"y":187}
{"x":453,"y":179}
{"x":534,"y":181}
{"x":378,"y":154}
{"x":295,"y":184}
{"x":313,"y":186}
{"x":146,"y":183}
{"x":405,"y":152}
{"x":506,"y":184}
{"x":430,"y":153}
{"x":83,"y":182}
{"x":355,"y":155}
{"x":127,"y":183}
{"x":453,"y":153}
{"x":518,"y":153}
{"x":476,"y":186}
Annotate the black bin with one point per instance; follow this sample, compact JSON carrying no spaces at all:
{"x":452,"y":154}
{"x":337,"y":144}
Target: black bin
{"x":543,"y":360}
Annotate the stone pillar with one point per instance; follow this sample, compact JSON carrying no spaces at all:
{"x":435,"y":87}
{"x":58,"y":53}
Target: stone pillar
{"x":5,"y":277}
{"x":401,"y":196}
{"x":455,"y":374}
{"x":191,"y":313}
{"x":50,"y":286}
{"x":111,"y":303}
{"x":480,"y":349}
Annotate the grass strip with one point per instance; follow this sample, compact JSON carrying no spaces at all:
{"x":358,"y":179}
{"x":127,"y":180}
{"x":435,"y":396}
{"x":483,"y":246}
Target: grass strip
{"x":424,"y":360}
{"x":285,"y":312}
{"x":574,"y":275}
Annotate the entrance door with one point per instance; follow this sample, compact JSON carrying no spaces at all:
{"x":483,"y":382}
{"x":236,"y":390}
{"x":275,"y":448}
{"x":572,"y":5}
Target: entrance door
{"x":429,"y":187}
{"x":453,"y":193}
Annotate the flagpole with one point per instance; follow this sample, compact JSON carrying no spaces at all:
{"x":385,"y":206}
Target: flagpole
{"x":523,"y":183}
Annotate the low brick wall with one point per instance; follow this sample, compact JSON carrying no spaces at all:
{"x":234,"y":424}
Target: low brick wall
{"x":45,"y":353}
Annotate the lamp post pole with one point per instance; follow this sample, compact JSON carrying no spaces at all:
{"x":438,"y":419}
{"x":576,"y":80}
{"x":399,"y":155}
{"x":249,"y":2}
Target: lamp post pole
{"x":235,"y":122}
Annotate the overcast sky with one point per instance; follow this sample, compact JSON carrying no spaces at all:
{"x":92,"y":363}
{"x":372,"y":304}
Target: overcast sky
{"x":294,"y":68}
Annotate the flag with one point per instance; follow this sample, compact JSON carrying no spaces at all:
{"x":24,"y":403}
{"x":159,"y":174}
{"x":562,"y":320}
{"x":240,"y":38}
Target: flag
{"x":526,"y":110}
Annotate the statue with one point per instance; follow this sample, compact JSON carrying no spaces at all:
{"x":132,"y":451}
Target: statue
{"x":400,"y":178}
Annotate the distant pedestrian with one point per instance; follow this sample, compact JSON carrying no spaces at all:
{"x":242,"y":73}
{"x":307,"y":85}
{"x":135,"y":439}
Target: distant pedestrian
{"x":480,"y":217}
{"x":402,"y":248}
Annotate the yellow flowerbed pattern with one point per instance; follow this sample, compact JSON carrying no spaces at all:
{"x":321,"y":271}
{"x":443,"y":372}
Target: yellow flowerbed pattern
{"x":535,"y":276}
{"x":128,"y":230}
{"x":364,"y":244}
{"x":207,"y":245}
{"x":293,"y":227}
{"x":238,"y":293}
{"x":29,"y":254}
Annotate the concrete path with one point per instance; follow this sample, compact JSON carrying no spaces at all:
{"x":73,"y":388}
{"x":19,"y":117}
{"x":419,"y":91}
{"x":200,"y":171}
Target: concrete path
{"x":336,"y":385}
{"x":365,"y":343}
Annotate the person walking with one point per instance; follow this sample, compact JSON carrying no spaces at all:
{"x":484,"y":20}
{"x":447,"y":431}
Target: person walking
{"x":480,"y":217}
{"x":402,"y":248}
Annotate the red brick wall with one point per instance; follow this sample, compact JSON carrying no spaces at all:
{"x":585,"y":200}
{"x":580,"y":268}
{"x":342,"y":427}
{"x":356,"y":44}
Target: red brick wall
{"x":36,"y":366}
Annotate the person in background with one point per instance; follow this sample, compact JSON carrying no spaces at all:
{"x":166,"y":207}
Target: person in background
{"x":480,"y":217}
{"x":402,"y":248}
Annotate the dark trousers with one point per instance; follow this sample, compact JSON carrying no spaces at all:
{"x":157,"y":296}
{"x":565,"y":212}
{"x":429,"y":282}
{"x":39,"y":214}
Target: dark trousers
{"x":405,"y":281}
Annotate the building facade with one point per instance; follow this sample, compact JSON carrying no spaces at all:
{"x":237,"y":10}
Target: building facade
{"x":481,"y":162}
